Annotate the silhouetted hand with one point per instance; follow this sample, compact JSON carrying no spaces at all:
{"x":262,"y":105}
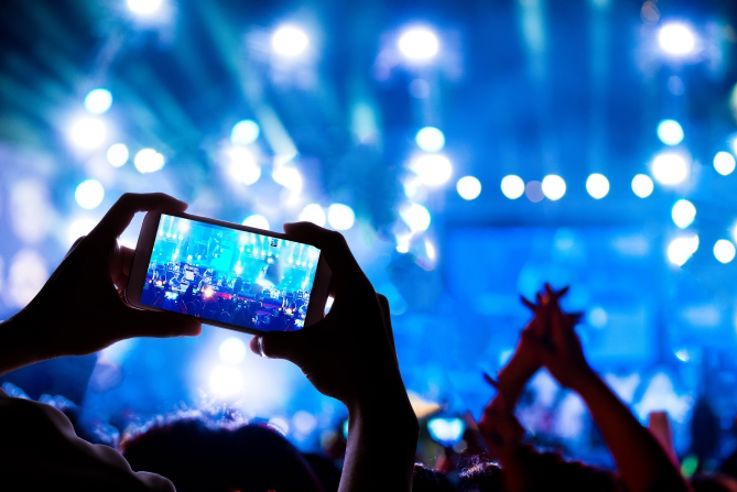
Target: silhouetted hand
{"x":81,"y":307}
{"x":500,"y":429}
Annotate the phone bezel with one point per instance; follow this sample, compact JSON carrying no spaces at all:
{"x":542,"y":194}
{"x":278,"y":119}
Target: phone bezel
{"x":144,"y":250}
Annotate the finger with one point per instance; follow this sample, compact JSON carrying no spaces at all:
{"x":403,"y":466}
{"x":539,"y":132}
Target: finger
{"x":159,"y":324}
{"x":490,"y":380}
{"x":121,"y":214}
{"x":561,"y":293}
{"x":288,"y":346}
{"x":120,"y":267}
{"x":531,"y":305}
{"x":334,"y":248}
{"x":386,"y":312}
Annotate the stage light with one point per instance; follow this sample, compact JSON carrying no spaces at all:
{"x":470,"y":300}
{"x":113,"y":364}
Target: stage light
{"x":446,"y":431}
{"x":416,"y":216}
{"x":554,"y":187}
{"x":117,"y":155}
{"x":304,"y":422}
{"x":27,"y":273}
{"x":468,"y":187}
{"x":88,"y":132}
{"x":512,"y":186}
{"x":226,"y":382}
{"x":258,"y":221}
{"x":314,"y":213}
{"x":245,"y":132}
{"x":670,"y":168}
{"x":29,"y":210}
{"x":681,"y":248}
{"x":670,"y":132}
{"x":341,"y":217}
{"x":676,"y":39}
{"x":288,"y":176}
{"x":642,"y":185}
{"x":148,"y":161}
{"x":724,"y":163}
{"x":724,"y":251}
{"x":683,"y":213}
{"x":430,"y":139}
{"x":403,"y":242}
{"x":89,"y":194}
{"x":289,"y":41}
{"x":597,"y":186}
{"x":79,"y":227}
{"x":431,"y":169}
{"x":418,"y":44}
{"x":98,"y":101}
{"x":145,"y":8}
{"x":243,"y":166}
{"x":534,"y":191}
{"x":232,"y":351}
{"x":597,"y":317}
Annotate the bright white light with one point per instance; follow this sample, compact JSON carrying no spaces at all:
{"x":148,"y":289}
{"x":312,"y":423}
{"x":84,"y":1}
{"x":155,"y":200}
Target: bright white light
{"x":226,"y":381}
{"x":554,"y":187}
{"x":30,"y":210}
{"x":148,"y":161}
{"x":597,"y":317}
{"x":670,"y":168}
{"x":724,"y":163}
{"x":724,"y":251}
{"x":341,"y":217}
{"x":642,"y":185}
{"x":144,"y":8}
{"x":314,"y":213}
{"x":432,"y":169}
{"x":289,"y":41}
{"x":304,"y":422}
{"x":258,"y":221}
{"x":597,"y":185}
{"x":416,"y":216}
{"x":670,"y":132}
{"x":243,"y":166}
{"x":232,"y":351}
{"x":677,"y":39}
{"x":468,"y":187}
{"x":79,"y":227}
{"x":682,"y":248}
{"x":98,"y":101}
{"x":418,"y":44}
{"x":512,"y":186}
{"x":89,"y":194}
{"x":88,"y":132}
{"x":446,"y":430}
{"x":683,"y":213}
{"x":288,"y":176}
{"x":117,"y":155}
{"x":245,"y":132}
{"x":430,"y":139}
{"x":26,"y":275}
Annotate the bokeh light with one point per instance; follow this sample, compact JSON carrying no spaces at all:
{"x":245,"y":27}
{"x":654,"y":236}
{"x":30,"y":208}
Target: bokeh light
{"x":232,"y":351}
{"x":683,"y":213}
{"x":597,"y":185}
{"x":432,"y":169}
{"x":341,"y":217}
{"x":724,"y":163}
{"x":117,"y":155}
{"x":88,"y":132}
{"x":642,"y":185}
{"x":468,"y":187}
{"x":670,"y":132}
{"x":430,"y":139}
{"x":416,"y":216}
{"x":670,"y":168}
{"x":258,"y":221}
{"x":724,"y":251}
{"x":313,"y":212}
{"x":98,"y":101}
{"x":289,"y":41}
{"x":512,"y":186}
{"x":89,"y":194}
{"x":418,"y":44}
{"x":681,"y":248}
{"x":554,"y":187}
{"x":148,"y":160}
{"x":676,"y":39}
{"x":242,"y":166}
{"x":245,"y":132}
{"x":145,"y":8}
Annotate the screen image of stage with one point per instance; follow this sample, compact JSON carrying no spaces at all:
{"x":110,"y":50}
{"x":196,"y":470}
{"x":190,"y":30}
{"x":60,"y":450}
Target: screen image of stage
{"x":220,"y":274}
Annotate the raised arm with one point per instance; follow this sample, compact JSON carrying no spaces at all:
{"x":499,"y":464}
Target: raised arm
{"x":350,"y":355}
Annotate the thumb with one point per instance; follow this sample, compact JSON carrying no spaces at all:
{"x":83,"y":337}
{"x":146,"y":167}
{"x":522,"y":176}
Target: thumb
{"x":278,"y":345}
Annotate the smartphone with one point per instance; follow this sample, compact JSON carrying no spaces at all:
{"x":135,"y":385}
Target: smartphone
{"x":227,"y":275}
{"x":446,"y":431}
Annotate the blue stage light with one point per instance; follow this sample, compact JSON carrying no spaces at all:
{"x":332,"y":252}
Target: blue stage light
{"x":148,"y":161}
{"x":117,"y":155}
{"x":232,"y":351}
{"x":642,"y":185}
{"x":341,"y":217}
{"x":677,"y":39}
{"x":681,"y":248}
{"x":226,"y":382}
{"x":418,"y":44}
{"x":289,"y":41}
{"x":432,"y":169}
{"x":512,"y":186}
{"x":88,"y":132}
{"x":724,"y":163}
{"x":416,"y":216}
{"x":670,"y":168}
{"x":89,"y":194}
{"x":242,"y":166}
{"x":27,"y":273}
{"x":313,"y":212}
{"x":670,"y":132}
{"x":258,"y":221}
{"x":724,"y":251}
{"x":245,"y":132}
{"x":597,"y":185}
{"x":468,"y":187}
{"x":430,"y":139}
{"x":554,"y":187}
{"x":288,"y":176}
{"x":683,"y":213}
{"x":145,"y":8}
{"x":98,"y":101}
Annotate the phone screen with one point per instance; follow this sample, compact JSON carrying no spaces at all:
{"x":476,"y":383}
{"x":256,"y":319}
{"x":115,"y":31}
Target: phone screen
{"x":230,"y":276}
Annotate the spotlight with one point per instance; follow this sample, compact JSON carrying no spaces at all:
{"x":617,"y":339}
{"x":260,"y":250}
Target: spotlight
{"x":289,"y":41}
{"x":226,"y":382}
{"x":117,"y":155}
{"x":245,"y":132}
{"x":341,"y":217}
{"x":26,"y":275}
{"x":232,"y":351}
{"x":642,"y":185}
{"x":554,"y":187}
{"x":145,"y":8}
{"x":670,"y":132}
{"x":243,"y":166}
{"x":416,"y":216}
{"x":512,"y":186}
{"x":79,"y":227}
{"x":432,"y":169}
{"x":468,"y":187}
{"x":597,"y":185}
{"x":418,"y":44}
{"x":88,"y":132}
{"x":98,"y":101}
{"x":314,"y":213}
{"x":670,"y":168}
{"x":534,"y":191}
{"x":430,"y":139}
{"x":682,"y":248}
{"x":677,"y":39}
{"x":288,"y":176}
{"x":148,"y":161}
{"x":724,"y":163}
{"x":683,"y":213}
{"x":724,"y":251}
{"x":89,"y":194}
{"x":258,"y":221}
{"x":597,"y":317}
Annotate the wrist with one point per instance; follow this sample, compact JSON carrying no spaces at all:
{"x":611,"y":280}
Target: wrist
{"x":17,"y":346}
{"x":586,"y":379}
